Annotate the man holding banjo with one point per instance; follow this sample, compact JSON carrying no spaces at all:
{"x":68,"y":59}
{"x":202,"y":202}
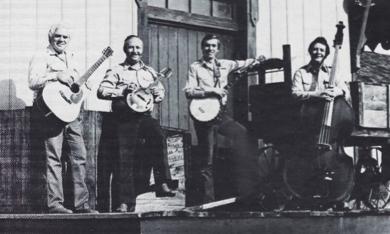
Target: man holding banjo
{"x":206,"y":90}
{"x":133,"y":88}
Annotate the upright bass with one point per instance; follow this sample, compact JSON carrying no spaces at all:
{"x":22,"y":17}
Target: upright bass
{"x":318,"y":171}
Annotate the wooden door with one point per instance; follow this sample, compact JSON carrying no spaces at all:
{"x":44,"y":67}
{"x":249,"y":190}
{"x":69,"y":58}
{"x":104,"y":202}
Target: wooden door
{"x":174,"y":34}
{"x":177,"y":48}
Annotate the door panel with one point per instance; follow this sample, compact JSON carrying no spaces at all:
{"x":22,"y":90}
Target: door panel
{"x":178,"y":47}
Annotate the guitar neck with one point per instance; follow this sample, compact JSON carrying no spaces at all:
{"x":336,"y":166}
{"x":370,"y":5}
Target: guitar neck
{"x":91,"y":70}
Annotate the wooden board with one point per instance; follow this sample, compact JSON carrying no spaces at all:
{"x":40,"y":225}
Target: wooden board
{"x":370,"y":102}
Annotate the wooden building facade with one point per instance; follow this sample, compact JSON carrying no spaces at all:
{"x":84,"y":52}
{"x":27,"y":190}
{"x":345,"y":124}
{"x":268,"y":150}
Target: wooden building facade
{"x":172,"y":31}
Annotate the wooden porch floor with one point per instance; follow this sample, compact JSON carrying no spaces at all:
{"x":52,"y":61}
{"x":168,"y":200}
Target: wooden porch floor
{"x":291,"y":222}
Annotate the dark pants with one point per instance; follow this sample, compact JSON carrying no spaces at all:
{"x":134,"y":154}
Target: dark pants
{"x":119,"y":155}
{"x":244,"y":159}
{"x":62,"y":140}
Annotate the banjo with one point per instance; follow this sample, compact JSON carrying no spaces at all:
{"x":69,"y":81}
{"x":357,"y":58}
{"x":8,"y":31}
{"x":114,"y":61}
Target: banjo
{"x":209,"y":108}
{"x":142,"y":100}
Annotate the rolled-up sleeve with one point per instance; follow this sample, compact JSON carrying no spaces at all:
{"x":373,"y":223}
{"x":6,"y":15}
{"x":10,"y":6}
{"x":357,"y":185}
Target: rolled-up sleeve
{"x":37,"y":72}
{"x":192,"y":89}
{"x":108,"y":87}
{"x":242,"y":63}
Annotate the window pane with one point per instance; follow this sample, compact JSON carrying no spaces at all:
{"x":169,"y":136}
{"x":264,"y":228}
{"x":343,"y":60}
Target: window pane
{"x":222,"y":9}
{"x":157,"y":3}
{"x":181,"y":5}
{"x":202,"y":7}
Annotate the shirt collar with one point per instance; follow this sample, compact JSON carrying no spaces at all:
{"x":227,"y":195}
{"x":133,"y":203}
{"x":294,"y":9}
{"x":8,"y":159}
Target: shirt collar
{"x":209,"y":65}
{"x":138,"y":66}
{"x":310,"y":68}
{"x":52,"y":51}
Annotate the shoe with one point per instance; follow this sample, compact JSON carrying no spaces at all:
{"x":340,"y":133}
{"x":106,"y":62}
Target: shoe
{"x":123,"y":208}
{"x":59,"y":210}
{"x":164,"y":191}
{"x":85,"y":209}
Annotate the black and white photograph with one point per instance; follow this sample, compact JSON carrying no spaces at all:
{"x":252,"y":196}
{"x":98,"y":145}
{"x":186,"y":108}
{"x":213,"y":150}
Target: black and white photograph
{"x":195,"y":116}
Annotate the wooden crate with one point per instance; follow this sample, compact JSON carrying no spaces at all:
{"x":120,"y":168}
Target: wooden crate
{"x":371,"y":105}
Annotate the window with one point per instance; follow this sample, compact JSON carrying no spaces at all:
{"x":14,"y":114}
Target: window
{"x":214,"y":8}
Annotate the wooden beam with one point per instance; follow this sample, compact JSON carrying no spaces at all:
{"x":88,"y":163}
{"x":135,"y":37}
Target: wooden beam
{"x":169,"y":16}
{"x":247,"y":17}
{"x":143,"y":32}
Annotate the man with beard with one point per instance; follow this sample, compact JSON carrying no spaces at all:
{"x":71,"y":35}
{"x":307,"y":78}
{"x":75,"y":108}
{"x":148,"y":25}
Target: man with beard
{"x":124,"y":128}
{"x":56,"y":64}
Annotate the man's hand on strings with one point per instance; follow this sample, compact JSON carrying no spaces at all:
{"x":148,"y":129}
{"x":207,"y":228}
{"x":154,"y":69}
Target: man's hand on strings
{"x":330,"y":93}
{"x":67,"y":77}
{"x":219,"y":92}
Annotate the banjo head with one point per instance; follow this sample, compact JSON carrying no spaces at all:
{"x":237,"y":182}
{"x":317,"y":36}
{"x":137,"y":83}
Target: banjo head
{"x":140,"y":101}
{"x":205,"y":109}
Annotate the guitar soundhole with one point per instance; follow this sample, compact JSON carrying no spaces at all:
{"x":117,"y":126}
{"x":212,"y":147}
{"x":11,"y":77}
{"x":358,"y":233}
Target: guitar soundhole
{"x":75,"y":88}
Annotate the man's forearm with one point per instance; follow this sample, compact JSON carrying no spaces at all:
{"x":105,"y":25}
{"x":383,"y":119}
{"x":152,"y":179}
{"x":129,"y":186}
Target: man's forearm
{"x":110,"y":93}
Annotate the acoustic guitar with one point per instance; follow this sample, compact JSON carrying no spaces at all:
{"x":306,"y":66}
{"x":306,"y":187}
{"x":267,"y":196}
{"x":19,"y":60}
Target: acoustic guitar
{"x":63,"y":101}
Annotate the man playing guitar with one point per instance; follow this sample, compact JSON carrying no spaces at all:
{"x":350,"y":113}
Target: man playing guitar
{"x":208,"y":77}
{"x":56,"y":64}
{"x":125,"y":127}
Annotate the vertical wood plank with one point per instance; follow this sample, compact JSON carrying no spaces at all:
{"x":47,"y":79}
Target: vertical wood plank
{"x":47,"y":9}
{"x":5,"y":41}
{"x":263,"y":38}
{"x":163,"y":60}
{"x":74,"y":12}
{"x":182,"y":71}
{"x":97,"y":35}
{"x":193,"y":46}
{"x":295,"y":33}
{"x":278,"y":9}
{"x":345,"y":59}
{"x":173,"y":94}
{"x":92,"y":122}
{"x":121,"y":18}
{"x":200,"y":36}
{"x":153,"y":58}
{"x":22,"y":23}
{"x":279,"y":33}
{"x":15,"y":162}
{"x":311,"y":21}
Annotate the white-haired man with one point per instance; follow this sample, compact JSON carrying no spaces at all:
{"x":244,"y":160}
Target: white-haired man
{"x":56,"y":64}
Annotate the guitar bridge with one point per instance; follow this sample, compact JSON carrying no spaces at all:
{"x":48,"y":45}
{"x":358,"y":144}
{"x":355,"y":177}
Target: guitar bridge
{"x":65,"y":98}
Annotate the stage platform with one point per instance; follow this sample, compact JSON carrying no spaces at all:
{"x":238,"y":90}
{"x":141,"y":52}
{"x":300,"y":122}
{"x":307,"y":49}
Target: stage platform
{"x":190,"y":222}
